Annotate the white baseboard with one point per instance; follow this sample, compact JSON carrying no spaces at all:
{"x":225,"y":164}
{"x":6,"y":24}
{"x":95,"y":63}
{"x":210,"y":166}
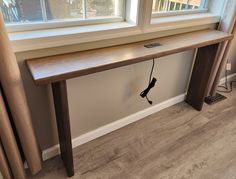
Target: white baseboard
{"x":230,"y":77}
{"x":54,"y":150}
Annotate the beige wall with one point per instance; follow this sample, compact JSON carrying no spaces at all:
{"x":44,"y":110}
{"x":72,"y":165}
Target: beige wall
{"x":102,"y":98}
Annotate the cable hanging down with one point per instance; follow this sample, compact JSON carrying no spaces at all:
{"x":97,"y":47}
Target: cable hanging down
{"x":151,"y":84}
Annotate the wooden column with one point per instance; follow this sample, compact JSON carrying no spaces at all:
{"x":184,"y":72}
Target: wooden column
{"x":201,"y":76}
{"x":63,"y":124}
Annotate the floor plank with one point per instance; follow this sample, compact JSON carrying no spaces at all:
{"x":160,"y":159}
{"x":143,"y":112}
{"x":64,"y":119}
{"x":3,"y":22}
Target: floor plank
{"x":176,"y":143}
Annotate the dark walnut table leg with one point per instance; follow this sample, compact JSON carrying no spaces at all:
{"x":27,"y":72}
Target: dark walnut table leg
{"x":63,"y":124}
{"x":200,"y":79}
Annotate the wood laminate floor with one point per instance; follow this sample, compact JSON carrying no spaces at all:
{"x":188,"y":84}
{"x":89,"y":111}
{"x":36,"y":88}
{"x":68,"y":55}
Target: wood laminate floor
{"x":176,"y":143}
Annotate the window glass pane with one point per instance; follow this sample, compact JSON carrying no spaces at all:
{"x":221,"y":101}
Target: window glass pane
{"x":99,"y":8}
{"x":175,"y":5}
{"x":64,"y":9}
{"x":21,"y":10}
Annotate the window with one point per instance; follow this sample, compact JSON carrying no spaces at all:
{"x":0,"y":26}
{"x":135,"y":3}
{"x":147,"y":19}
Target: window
{"x":160,"y":6}
{"x":32,"y":11}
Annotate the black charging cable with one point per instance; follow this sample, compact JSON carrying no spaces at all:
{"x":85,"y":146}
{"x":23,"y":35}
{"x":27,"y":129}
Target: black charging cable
{"x":151,"y":84}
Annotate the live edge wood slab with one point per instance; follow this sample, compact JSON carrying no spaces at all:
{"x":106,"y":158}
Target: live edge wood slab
{"x":55,"y":70}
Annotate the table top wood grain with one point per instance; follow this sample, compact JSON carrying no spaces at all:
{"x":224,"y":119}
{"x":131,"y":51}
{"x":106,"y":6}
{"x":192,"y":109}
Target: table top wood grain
{"x":62,"y":67}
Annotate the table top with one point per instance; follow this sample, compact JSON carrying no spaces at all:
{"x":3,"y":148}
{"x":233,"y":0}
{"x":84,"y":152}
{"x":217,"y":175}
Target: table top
{"x":56,"y":68}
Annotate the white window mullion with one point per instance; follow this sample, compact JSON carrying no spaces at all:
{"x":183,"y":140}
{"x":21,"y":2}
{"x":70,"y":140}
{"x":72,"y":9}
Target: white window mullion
{"x":187,"y":4}
{"x":84,"y":9}
{"x":159,"y":5}
{"x":203,"y":4}
{"x":145,"y":14}
{"x":44,"y":12}
{"x":117,"y":9}
{"x":124,"y":10}
{"x":165,"y":5}
{"x":132,"y":11}
{"x":120,"y":8}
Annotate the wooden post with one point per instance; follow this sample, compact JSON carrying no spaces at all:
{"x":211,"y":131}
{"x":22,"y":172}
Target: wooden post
{"x":201,"y":76}
{"x":63,"y":124}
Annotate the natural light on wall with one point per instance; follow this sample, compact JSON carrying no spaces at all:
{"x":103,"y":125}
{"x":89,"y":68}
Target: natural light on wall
{"x":26,"y":11}
{"x":176,"y":5}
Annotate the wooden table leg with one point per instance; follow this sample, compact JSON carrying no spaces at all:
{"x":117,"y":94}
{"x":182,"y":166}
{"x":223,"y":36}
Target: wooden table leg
{"x":63,"y":124}
{"x":200,"y":79}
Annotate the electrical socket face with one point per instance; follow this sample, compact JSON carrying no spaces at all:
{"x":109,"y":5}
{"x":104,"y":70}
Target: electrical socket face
{"x":228,"y":66}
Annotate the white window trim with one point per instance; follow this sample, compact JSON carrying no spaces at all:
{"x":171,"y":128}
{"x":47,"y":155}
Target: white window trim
{"x":33,"y":40}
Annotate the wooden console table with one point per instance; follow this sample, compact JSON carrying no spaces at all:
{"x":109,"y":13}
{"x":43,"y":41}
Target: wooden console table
{"x":55,"y":70}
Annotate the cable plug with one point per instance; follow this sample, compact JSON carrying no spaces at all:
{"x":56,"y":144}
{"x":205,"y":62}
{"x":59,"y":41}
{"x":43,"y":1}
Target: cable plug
{"x":144,"y":93}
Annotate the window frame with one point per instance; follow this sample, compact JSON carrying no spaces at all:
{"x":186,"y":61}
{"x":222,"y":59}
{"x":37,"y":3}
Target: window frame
{"x":203,"y":9}
{"x":138,"y":22}
{"x":63,"y":23}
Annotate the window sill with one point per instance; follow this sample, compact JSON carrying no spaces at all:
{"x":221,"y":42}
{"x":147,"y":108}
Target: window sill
{"x":43,"y":39}
{"x":182,"y":21}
